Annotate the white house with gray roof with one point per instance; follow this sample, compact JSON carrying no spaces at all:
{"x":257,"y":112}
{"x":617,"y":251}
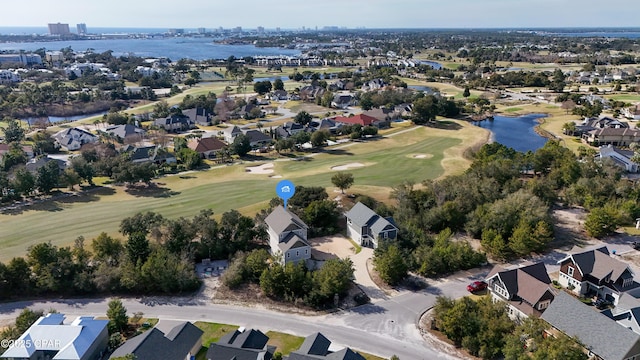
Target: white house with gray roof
{"x":365,"y":227}
{"x":600,"y":335}
{"x":85,"y":338}
{"x":287,"y":236}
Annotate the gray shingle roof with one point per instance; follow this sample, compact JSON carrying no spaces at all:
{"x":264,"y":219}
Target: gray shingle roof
{"x":598,"y":263}
{"x":245,"y":345}
{"x":315,"y":344}
{"x":600,"y":334}
{"x":123,"y":131}
{"x":292,"y":241}
{"x":248,"y":339}
{"x":361,"y":215}
{"x":154,"y":344}
{"x":280,"y":220}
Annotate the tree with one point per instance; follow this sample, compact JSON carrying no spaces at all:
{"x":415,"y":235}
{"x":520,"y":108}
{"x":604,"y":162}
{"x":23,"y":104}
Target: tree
{"x":26,"y":318}
{"x":47,"y":177}
{"x":425,"y":110}
{"x":466,"y":93}
{"x":138,"y":248}
{"x":241,"y":145}
{"x":278,"y":84}
{"x":13,"y":131}
{"x":390,"y":264}
{"x":140,"y":222}
{"x":106,"y":249}
{"x":602,"y":221}
{"x":319,"y":137}
{"x":333,"y":278}
{"x":569,"y":128}
{"x":191,"y":159}
{"x":342,"y":180}
{"x":303,"y":118}
{"x":117,"y":315}
{"x":262,"y":87}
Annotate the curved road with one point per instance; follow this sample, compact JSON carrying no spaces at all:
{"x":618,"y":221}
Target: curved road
{"x":385,"y":328}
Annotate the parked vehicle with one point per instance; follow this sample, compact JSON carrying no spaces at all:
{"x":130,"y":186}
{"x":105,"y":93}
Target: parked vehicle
{"x":636,"y":245}
{"x":476,"y":286}
{"x":601,"y":303}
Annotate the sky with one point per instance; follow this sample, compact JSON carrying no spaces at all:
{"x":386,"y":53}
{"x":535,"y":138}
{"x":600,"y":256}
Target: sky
{"x":294,"y":14}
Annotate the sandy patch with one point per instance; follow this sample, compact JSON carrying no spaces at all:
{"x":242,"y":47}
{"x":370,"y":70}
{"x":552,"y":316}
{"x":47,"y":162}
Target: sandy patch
{"x":329,"y":247}
{"x":261,"y":169}
{"x":422,"y":156}
{"x":347,"y":166}
{"x":276,"y":176}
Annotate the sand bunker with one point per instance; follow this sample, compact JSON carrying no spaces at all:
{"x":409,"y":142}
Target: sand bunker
{"x":262,"y":169}
{"x":347,"y":166}
{"x":276,"y":176}
{"x":422,"y":156}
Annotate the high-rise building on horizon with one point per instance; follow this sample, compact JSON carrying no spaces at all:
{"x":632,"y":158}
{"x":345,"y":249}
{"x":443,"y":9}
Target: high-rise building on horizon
{"x":59,"y":29}
{"x":82,"y":29}
{"x":202,"y":30}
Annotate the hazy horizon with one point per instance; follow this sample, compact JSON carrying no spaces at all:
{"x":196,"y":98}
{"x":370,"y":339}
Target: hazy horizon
{"x":292,"y":14}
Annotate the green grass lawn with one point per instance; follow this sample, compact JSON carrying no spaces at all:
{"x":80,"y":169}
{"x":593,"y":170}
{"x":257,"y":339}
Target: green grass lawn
{"x":212,"y":333}
{"x":513,"y":109}
{"x":284,"y":343}
{"x":388,"y":162}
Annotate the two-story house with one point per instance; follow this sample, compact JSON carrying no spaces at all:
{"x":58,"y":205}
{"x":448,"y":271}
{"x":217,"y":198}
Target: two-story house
{"x":595,"y":272}
{"x":525,"y":290}
{"x":365,"y":227}
{"x":287,"y":236}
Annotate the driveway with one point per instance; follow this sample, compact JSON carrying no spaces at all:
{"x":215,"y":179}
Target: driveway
{"x":362,"y":275}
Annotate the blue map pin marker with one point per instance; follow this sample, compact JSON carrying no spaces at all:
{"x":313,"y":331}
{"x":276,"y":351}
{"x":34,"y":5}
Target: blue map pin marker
{"x":285,"y":190}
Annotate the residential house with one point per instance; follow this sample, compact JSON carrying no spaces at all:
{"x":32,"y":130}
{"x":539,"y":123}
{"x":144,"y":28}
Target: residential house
{"x":316,"y":347}
{"x":170,"y":341}
{"x":229,"y":134}
{"x":199,"y":116}
{"x":338,"y":85}
{"x":360,"y":119}
{"x":28,"y":150}
{"x":9,"y":76}
{"x":632,"y":113}
{"x":288,"y":129}
{"x":525,"y":290}
{"x":73,"y":138}
{"x":311,"y":92}
{"x":127,"y":132}
{"x":365,"y":227}
{"x":207,"y":147}
{"x":383,"y":116}
{"x":375,"y":84}
{"x":85,"y":338}
{"x":600,"y":335}
{"x":620,"y":157}
{"x":343,"y":101}
{"x":325,"y":124}
{"x":245,"y":111}
{"x":613,"y":136}
{"x":149,"y":154}
{"x":241,"y":345}
{"x":174,"y":123}
{"x":287,"y":236}
{"x":629,"y":319}
{"x":36,"y":163}
{"x":257,"y":138}
{"x":279,"y":95}
{"x":595,"y":272}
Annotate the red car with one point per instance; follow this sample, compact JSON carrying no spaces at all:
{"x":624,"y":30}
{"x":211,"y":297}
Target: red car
{"x":476,"y":286}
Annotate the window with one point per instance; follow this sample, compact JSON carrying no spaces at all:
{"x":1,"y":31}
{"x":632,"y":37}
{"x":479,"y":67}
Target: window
{"x":543,"y":305}
{"x":570,"y":271}
{"x":288,"y":255}
{"x":306,"y":251}
{"x":297,"y":253}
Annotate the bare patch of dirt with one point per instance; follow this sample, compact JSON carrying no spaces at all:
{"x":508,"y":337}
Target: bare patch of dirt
{"x":569,"y":227}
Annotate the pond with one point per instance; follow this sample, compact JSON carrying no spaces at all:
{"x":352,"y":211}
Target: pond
{"x":425,"y":89}
{"x":515,"y":132}
{"x":55,"y":119}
